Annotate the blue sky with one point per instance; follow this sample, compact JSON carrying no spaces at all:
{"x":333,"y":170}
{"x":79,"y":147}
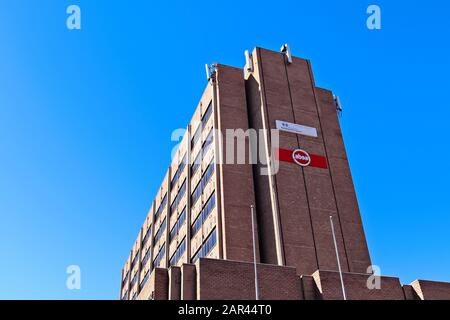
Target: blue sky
{"x":86,"y":118}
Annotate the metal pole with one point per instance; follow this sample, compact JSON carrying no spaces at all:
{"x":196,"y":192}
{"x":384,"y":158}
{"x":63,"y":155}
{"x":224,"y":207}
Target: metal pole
{"x":254,"y":254}
{"x":337,"y":257}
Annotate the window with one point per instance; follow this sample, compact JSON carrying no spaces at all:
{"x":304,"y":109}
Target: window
{"x":196,"y":136}
{"x":144,"y":281}
{"x":204,"y":214}
{"x":145,"y":259}
{"x":160,"y":231}
{"x":207,"y":115}
{"x":147,"y":235}
{"x":179,"y":171}
{"x":135,"y":259}
{"x":134,"y":280}
{"x":196,"y":163}
{"x":178,"y":253}
{"x":176,"y":228}
{"x":178,"y":197}
{"x":207,"y":246}
{"x":199,"y":130}
{"x":202,"y":183}
{"x":203,"y":151}
{"x":125,"y":295}
{"x":161,"y":207}
{"x":159,"y":257}
{"x":125,"y":280}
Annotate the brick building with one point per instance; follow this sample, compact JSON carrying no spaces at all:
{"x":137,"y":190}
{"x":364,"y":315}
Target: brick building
{"x":197,"y":239}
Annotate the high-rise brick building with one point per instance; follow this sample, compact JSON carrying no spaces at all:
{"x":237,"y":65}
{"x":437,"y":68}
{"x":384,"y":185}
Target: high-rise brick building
{"x":197,"y":239}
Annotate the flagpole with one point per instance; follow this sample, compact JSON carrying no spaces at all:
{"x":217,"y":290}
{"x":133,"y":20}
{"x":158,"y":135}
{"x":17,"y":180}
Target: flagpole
{"x":254,"y":253}
{"x":337,"y":257}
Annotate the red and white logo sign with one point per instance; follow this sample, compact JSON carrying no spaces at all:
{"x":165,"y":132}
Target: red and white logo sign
{"x":301,"y":157}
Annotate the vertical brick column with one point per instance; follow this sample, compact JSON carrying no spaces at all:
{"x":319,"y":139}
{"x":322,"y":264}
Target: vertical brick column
{"x":174,"y":283}
{"x":236,"y":180}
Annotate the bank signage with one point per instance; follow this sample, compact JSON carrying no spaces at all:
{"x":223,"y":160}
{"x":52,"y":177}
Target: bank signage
{"x":296,"y":128}
{"x":302,"y":158}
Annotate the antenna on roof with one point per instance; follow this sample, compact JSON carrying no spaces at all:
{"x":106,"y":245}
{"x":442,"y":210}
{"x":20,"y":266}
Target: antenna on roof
{"x":248,"y":61}
{"x":287,"y":51}
{"x":210,"y":70}
{"x":338,"y":104}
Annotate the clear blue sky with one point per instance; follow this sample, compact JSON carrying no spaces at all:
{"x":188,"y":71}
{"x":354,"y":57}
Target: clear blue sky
{"x":86,"y":118}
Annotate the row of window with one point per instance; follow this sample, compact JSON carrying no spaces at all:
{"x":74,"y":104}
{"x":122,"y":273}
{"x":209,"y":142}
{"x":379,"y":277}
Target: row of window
{"x":203,"y":151}
{"x":206,"y":211}
{"x":177,"y":174}
{"x":178,"y":197}
{"x":125,"y":295}
{"x":144,"y":281}
{"x":206,"y":247}
{"x":159,"y":257}
{"x":160,"y":231}
{"x":125,"y":280}
{"x":199,"y":130}
{"x":134,"y":280}
{"x":147,"y":235}
{"x":176,"y":228}
{"x":135,"y":259}
{"x":178,"y":253}
{"x":202,"y":183}
{"x":146,"y":258}
{"x":161,"y":207}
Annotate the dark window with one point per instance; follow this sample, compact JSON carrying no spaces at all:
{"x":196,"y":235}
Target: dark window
{"x":161,"y":207}
{"x":135,"y":259}
{"x":204,"y":214}
{"x":160,"y":231}
{"x":159,"y":257}
{"x":176,"y":228}
{"x":147,"y":235}
{"x":207,"y":246}
{"x":178,"y":253}
{"x":179,"y":171}
{"x":145,"y":259}
{"x":134,"y":280}
{"x":202,"y":183}
{"x":207,"y":114}
{"x":178,"y":197}
{"x":144,"y":281}
{"x":125,"y":280}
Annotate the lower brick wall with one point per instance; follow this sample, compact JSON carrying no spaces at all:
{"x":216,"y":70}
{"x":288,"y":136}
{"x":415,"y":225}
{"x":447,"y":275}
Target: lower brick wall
{"x":329,"y":285}
{"x":211,"y":279}
{"x":432,"y":290}
{"x":232,"y":280}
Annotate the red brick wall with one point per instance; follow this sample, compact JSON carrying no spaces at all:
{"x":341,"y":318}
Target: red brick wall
{"x":227,"y":280}
{"x":347,"y":204}
{"x":174,"y":283}
{"x":432,"y":290}
{"x":356,"y":288}
{"x":161,"y":284}
{"x":188,"y":282}
{"x":236,"y":180}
